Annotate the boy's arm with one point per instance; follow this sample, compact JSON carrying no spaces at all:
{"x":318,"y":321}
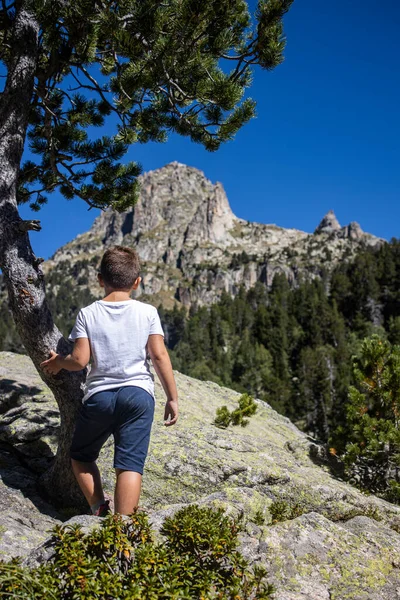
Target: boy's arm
{"x":162,"y":365}
{"x":76,"y":361}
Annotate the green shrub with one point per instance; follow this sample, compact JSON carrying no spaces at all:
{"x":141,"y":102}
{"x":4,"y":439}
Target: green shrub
{"x":223,"y":417}
{"x":392,"y":494}
{"x":247,"y":407}
{"x":198,"y":559}
{"x":259,"y":518}
{"x":281,"y":510}
{"x":347,"y":514}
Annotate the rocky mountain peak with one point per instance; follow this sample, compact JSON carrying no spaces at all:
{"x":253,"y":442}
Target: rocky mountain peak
{"x":193,"y":248}
{"x":353,"y":231}
{"x":178,"y":204}
{"x":328,"y":224}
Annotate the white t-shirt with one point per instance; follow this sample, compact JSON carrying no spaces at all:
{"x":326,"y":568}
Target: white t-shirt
{"x":118,"y":333}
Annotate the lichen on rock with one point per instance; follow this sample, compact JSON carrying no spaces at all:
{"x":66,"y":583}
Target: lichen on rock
{"x":333,"y":541}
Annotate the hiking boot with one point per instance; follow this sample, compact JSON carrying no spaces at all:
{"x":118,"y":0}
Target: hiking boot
{"x":103,"y":510}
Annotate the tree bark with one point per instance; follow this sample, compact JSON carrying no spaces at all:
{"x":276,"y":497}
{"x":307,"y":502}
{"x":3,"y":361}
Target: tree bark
{"x":21,"y":269}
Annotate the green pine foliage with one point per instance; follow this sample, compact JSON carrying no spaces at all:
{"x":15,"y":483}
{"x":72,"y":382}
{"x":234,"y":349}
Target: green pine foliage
{"x":197,"y":559}
{"x":247,"y":407}
{"x":144,"y":68}
{"x":372,"y":452}
{"x":282,"y":510}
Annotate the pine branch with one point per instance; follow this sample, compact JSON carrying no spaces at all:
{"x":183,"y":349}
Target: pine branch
{"x":162,"y":74}
{"x":94,"y":88}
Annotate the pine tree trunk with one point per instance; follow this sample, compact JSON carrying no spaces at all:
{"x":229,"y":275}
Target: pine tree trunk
{"x":21,"y":269}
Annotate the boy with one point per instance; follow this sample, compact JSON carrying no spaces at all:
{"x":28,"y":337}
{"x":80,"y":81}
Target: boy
{"x":118,"y":333}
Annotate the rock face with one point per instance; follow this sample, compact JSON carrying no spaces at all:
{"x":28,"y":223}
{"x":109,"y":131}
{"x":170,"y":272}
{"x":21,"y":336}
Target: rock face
{"x":332,"y":542}
{"x":28,"y":440}
{"x":328,"y":224}
{"x":193,"y":247}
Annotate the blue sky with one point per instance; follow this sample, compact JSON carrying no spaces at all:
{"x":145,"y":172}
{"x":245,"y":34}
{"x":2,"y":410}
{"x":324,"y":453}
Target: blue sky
{"x":326,"y":135}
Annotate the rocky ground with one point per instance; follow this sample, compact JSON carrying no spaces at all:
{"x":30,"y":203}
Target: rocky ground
{"x":328,"y":542}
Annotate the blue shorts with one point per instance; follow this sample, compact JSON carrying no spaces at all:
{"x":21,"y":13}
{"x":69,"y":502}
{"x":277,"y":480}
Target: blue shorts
{"x":127,"y":414}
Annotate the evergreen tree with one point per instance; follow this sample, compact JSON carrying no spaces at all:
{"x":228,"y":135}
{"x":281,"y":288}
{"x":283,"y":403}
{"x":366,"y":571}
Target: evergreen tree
{"x":388,"y":258}
{"x":373,"y":418}
{"x":173,"y":324}
{"x":394,"y":330}
{"x":355,"y":288}
{"x":317,"y":388}
{"x":277,"y":342}
{"x":342,"y":352}
{"x":252,"y":367}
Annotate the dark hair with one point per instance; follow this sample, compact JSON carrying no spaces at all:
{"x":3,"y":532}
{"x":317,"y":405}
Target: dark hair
{"x":120,"y":267}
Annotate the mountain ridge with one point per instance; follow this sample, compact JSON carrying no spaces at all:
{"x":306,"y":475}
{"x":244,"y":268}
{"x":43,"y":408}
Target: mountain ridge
{"x":193,"y":248}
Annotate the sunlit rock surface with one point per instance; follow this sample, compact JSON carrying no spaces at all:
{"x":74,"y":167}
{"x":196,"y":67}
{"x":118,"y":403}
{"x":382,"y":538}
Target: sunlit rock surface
{"x":342,"y":545}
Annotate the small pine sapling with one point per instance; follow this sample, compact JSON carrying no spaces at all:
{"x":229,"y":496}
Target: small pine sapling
{"x":247,"y":408}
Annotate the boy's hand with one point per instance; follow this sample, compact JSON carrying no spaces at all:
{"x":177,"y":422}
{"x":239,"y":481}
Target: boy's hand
{"x":52,"y":365}
{"x":171,"y":412}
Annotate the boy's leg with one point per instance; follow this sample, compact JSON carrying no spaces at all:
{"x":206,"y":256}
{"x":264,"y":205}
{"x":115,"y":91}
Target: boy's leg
{"x":127,"y":491}
{"x":93,"y":427}
{"x":88,"y":477}
{"x":134,"y":410}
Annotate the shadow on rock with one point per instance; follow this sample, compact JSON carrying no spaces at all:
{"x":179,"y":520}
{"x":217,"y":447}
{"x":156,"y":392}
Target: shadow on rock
{"x":14,"y":393}
{"x":17,"y":478}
